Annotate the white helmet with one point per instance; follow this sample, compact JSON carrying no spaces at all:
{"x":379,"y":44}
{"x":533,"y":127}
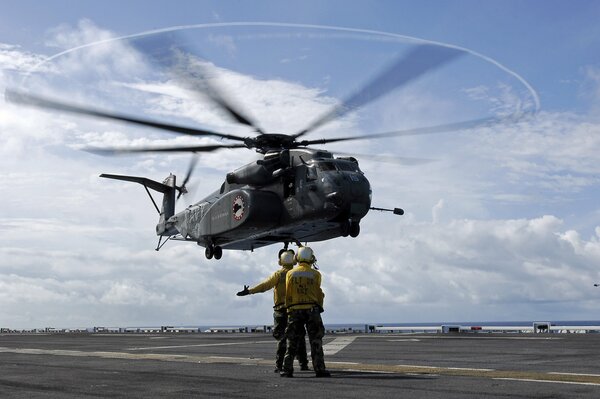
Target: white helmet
{"x":305,"y":254}
{"x":287,"y":258}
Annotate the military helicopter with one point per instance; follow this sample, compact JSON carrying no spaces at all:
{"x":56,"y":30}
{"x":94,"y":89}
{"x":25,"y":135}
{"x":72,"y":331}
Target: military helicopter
{"x":294,"y":194}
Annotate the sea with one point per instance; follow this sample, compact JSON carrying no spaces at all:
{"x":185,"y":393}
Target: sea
{"x":363,"y":326}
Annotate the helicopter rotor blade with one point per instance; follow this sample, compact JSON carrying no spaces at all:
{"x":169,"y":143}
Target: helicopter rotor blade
{"x":417,"y":62}
{"x":130,"y":150}
{"x":170,"y":52}
{"x":406,"y":161}
{"x":449,"y":127}
{"x":22,"y":98}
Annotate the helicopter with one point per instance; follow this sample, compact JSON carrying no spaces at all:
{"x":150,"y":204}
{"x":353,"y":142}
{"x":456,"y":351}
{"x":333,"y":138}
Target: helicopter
{"x":295,"y":193}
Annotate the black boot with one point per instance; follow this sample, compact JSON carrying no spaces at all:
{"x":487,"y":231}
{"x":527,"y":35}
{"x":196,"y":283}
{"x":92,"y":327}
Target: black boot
{"x":323,"y":374}
{"x":286,"y":374}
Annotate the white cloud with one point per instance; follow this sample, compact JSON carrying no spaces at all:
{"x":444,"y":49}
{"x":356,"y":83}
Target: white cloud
{"x":67,"y":37}
{"x":82,"y":249}
{"x":13,"y":58}
{"x":461,"y":269}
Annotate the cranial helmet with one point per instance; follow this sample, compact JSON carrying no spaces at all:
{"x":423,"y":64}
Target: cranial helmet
{"x":305,"y":254}
{"x":287,"y":259}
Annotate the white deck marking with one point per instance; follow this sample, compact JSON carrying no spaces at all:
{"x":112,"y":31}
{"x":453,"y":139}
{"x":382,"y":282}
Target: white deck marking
{"x":331,"y":362}
{"x":582,"y":374}
{"x":333,"y":347}
{"x":549,"y":381}
{"x":199,"y":345}
{"x":405,"y":340}
{"x":442,"y":368}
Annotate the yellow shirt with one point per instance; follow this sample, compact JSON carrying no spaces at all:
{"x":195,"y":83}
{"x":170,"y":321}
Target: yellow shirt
{"x":303,"y":288}
{"x":276,"y":281}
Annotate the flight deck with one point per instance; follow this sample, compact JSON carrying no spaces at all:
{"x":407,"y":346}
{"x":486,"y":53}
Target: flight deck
{"x":241,"y":365}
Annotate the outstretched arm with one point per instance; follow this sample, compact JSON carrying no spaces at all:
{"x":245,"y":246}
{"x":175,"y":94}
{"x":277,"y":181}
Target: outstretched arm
{"x":243,"y":292}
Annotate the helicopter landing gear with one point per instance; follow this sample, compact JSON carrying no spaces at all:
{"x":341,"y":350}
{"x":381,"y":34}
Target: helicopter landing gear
{"x":218,"y":252}
{"x":213,"y":251}
{"x":345,"y":228}
{"x":349,"y":228}
{"x":209,"y":252}
{"x":354,"y":229}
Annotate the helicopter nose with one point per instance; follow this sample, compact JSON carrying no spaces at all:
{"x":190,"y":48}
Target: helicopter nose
{"x":335,"y":198}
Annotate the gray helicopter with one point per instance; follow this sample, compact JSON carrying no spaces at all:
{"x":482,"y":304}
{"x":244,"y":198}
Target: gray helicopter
{"x":293,"y":194}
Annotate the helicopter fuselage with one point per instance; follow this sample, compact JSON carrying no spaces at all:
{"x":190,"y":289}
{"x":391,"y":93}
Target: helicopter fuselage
{"x":297,"y":195}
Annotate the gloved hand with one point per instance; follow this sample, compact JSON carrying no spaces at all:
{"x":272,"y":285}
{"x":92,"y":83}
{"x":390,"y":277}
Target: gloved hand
{"x":244,"y":292}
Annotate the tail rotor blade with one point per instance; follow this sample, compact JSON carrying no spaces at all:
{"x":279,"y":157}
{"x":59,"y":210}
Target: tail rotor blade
{"x":183,"y":187}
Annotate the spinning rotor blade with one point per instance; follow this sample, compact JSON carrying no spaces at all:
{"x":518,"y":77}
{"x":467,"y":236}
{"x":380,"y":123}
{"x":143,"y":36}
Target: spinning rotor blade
{"x":183,"y":188}
{"x":450,"y":127}
{"x":417,"y":62}
{"x":407,"y":161}
{"x":17,"y":97}
{"x":198,"y":148}
{"x":170,"y":52}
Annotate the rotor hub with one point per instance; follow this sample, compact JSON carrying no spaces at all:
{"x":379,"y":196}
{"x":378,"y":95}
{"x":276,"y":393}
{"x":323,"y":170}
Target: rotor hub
{"x":271,"y":141}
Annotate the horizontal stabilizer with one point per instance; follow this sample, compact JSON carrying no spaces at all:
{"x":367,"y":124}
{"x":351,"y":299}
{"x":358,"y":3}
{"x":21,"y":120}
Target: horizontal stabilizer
{"x":154,"y":185}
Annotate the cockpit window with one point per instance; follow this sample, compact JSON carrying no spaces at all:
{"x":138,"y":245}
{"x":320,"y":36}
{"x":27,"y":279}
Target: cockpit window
{"x":348,"y":166}
{"x":311,"y":173}
{"x":326,"y":166}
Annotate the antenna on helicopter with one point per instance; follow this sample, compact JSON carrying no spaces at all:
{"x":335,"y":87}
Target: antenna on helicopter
{"x":396,"y":211}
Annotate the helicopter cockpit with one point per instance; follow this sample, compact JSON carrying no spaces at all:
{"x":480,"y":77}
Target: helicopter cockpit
{"x":338,"y":164}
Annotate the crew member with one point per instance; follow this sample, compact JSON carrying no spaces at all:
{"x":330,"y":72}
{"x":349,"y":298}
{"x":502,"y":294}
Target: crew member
{"x":304,"y":303}
{"x":277,"y":282}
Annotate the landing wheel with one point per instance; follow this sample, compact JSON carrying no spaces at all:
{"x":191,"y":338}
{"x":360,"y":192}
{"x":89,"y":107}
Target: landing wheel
{"x":218,"y":252}
{"x":209,"y":252}
{"x":345,"y":228}
{"x":354,"y":229}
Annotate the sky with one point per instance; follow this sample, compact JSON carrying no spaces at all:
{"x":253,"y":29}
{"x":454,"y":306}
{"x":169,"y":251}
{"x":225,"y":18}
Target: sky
{"x":502,"y":222}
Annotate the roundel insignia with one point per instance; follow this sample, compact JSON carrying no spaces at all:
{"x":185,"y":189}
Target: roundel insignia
{"x":239,"y":207}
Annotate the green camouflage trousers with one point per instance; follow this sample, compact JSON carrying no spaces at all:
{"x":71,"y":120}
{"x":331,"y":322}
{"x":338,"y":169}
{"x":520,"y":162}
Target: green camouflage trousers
{"x":297,"y":320}
{"x":280,"y":320}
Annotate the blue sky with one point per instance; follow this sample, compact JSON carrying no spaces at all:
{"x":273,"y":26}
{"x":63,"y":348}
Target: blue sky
{"x":546,"y":41}
{"x":504,"y":224}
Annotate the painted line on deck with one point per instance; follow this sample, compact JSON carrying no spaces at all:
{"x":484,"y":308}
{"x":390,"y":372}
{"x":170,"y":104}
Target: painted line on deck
{"x":333,"y":347}
{"x":478,"y":336}
{"x":592,"y":375}
{"x":405,"y":340}
{"x":509,"y":375}
{"x":200,"y":345}
{"x":549,"y":381}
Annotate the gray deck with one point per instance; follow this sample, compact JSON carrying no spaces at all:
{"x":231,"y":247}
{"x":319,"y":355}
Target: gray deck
{"x":241,"y":365}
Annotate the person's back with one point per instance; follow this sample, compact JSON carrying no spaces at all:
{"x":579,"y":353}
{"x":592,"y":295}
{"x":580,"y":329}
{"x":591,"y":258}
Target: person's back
{"x":304,"y":303}
{"x":303,"y":288}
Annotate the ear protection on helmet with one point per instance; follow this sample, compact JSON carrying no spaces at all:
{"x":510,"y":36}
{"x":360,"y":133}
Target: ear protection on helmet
{"x":287,"y":258}
{"x":305,"y":254}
